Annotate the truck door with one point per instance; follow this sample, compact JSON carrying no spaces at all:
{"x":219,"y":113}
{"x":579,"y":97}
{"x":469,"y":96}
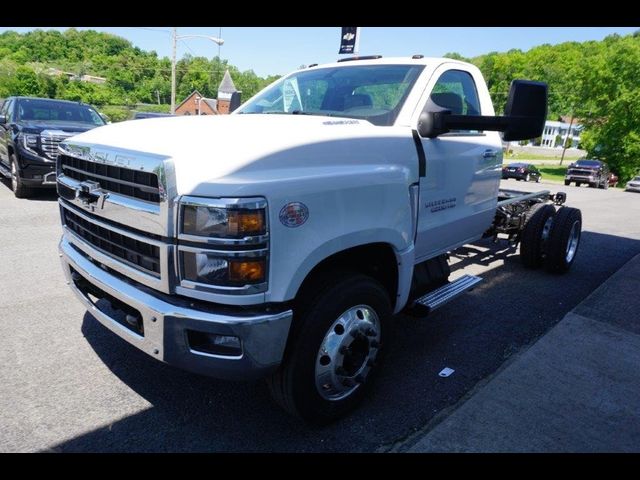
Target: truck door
{"x":4,"y":132}
{"x":458,"y":193}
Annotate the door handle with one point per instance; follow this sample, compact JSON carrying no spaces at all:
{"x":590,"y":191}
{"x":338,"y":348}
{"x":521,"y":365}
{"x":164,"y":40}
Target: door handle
{"x":489,"y":154}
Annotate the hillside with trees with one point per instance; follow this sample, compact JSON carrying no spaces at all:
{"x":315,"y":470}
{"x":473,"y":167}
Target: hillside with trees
{"x":133,"y":76}
{"x":596,"y":82}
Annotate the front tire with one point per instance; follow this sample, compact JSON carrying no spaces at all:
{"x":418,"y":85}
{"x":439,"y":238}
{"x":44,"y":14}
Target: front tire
{"x":527,"y":178}
{"x":564,"y":240}
{"x":567,"y":183}
{"x":333,"y":350}
{"x":19,"y":190}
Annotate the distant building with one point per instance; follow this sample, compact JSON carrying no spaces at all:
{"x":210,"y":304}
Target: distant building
{"x":555,"y":134}
{"x":93,"y":79}
{"x":228,"y":100}
{"x":196,"y":104}
{"x":228,"y":95}
{"x":54,"y":72}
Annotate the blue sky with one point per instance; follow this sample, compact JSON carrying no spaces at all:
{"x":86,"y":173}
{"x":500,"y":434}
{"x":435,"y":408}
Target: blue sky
{"x":278,"y":50}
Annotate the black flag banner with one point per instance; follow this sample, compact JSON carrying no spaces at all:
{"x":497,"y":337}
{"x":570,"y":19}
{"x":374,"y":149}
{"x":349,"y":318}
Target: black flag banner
{"x":349,"y":40}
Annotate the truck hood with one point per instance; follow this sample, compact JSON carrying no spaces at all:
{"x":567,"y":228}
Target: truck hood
{"x":251,"y":147}
{"x":37,"y":126}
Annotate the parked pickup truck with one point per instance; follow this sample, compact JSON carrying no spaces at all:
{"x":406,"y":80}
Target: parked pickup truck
{"x":592,"y":172}
{"x":279,"y":241}
{"x":30,"y":131}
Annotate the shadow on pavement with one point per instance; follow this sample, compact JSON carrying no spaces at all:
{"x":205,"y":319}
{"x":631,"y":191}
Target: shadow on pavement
{"x":39,"y":194}
{"x":473,"y":335}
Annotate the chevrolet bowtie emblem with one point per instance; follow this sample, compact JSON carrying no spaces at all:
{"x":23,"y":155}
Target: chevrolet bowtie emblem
{"x":91,"y":195}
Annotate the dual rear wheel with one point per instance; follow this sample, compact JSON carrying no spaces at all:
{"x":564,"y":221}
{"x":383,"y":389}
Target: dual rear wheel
{"x":551,"y":238}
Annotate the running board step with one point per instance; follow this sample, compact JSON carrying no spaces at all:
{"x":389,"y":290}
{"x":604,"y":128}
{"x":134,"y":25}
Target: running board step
{"x":444,"y":294}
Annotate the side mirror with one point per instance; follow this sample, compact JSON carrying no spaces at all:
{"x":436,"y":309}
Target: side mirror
{"x":526,"y":110}
{"x":525,"y":115}
{"x":3,"y":119}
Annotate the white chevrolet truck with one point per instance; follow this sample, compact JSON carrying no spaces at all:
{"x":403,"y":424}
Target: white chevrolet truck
{"x":281,"y":240}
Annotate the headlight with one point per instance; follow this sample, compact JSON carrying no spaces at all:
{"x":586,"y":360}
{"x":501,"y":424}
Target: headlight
{"x":222,"y":223}
{"x":223,"y":242}
{"x":213,"y":269}
{"x":224,"y":218}
{"x":29,"y":141}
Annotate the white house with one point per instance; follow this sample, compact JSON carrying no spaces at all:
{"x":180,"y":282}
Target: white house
{"x":554,"y":129}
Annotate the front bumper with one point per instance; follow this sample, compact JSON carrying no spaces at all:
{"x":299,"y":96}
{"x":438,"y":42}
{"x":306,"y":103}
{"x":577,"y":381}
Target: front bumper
{"x":36,"y":171}
{"x":632,"y":188}
{"x":581,"y":179}
{"x":263,"y":336}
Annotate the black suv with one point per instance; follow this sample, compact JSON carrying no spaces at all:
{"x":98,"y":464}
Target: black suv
{"x":593,"y":172}
{"x":30,"y":131}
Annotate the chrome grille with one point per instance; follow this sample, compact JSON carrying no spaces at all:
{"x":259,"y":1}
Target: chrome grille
{"x":584,"y":172}
{"x":131,"y":183}
{"x":141,"y":255}
{"x":49,"y":141}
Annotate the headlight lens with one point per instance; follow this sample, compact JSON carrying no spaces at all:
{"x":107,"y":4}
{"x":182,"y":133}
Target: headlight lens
{"x":210,"y":268}
{"x":30,"y":141}
{"x":222,"y":223}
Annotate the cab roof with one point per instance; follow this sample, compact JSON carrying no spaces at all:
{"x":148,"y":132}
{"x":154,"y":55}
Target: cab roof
{"x":365,"y":60}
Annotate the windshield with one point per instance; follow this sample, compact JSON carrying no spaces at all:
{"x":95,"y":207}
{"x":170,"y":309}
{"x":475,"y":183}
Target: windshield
{"x":51,"y":111}
{"x":587,"y":163}
{"x":370,"y":92}
{"x":636,"y":179}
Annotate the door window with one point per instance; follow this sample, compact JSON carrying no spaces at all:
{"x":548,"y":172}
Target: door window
{"x":455,"y":90}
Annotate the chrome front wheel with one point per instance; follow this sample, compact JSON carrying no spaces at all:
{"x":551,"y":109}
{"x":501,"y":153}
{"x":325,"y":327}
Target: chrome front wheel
{"x":347,"y":353}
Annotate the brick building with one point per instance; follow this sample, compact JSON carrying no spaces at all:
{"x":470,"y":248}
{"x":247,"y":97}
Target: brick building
{"x":228,"y":100}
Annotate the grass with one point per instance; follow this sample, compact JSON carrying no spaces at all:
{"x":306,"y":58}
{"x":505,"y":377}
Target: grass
{"x":552,"y":155}
{"x":556,"y":173}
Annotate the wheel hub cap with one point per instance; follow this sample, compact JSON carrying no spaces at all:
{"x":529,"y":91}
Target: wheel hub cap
{"x":347,"y":353}
{"x":572,"y":244}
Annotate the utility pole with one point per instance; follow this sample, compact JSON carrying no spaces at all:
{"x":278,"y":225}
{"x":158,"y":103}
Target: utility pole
{"x":174,"y":39}
{"x":566,"y":140}
{"x":158,"y":96}
{"x":173,"y":71}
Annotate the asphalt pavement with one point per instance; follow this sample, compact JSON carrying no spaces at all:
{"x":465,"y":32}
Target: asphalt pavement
{"x":69,"y":385}
{"x":575,"y":390}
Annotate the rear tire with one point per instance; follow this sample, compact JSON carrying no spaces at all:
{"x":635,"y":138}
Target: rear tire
{"x":564,"y":240}
{"x":333,"y":350}
{"x":534,"y":234}
{"x":578,"y":184}
{"x":19,"y":190}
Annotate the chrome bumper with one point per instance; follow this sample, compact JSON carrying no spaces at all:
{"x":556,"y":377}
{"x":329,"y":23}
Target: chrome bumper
{"x":165,"y":325}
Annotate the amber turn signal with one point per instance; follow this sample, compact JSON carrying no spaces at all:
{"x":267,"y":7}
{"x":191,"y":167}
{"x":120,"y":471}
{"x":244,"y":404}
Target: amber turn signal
{"x":246,"y":222}
{"x":247,"y":271}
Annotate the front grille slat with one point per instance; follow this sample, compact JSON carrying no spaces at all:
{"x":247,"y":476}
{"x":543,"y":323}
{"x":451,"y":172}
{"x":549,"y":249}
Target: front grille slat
{"x":124,"y":181}
{"x":141,"y":255}
{"x":49,"y":144}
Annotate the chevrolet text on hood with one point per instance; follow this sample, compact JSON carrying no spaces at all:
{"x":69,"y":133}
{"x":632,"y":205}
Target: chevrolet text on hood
{"x":279,"y":241}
